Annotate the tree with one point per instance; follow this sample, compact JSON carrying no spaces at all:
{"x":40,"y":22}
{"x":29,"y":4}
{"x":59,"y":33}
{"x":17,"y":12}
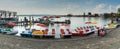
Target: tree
{"x":83,"y":14}
{"x":69,"y":15}
{"x":118,"y":11}
{"x":89,"y":13}
{"x":96,"y":14}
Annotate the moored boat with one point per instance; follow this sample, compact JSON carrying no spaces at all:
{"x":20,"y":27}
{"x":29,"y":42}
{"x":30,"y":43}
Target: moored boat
{"x":65,"y":33}
{"x":26,"y":33}
{"x":37,"y":34}
{"x":49,"y":33}
{"x":9,"y":31}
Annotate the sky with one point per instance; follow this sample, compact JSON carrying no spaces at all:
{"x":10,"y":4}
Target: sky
{"x":60,"y":7}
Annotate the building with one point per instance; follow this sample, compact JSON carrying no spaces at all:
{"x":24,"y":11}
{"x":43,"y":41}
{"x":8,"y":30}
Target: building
{"x":7,"y":14}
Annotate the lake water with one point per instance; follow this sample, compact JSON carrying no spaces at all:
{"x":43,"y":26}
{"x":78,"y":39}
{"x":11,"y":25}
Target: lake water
{"x":75,"y":22}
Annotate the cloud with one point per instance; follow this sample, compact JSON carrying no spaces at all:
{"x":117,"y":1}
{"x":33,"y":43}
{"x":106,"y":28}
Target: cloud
{"x":57,"y":7}
{"x":104,"y":8}
{"x":99,"y":8}
{"x":72,"y":8}
{"x":118,"y":6}
{"x":112,"y":8}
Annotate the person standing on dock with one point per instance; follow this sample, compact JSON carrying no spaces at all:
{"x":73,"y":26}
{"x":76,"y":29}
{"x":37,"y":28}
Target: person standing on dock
{"x":25,"y":21}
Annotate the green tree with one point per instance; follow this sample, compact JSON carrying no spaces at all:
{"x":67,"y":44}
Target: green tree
{"x":118,"y":11}
{"x":69,"y":15}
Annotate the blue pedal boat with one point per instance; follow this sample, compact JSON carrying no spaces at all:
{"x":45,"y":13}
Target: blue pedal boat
{"x":27,"y":33}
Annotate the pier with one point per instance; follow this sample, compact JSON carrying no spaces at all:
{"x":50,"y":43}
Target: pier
{"x":43,"y":20}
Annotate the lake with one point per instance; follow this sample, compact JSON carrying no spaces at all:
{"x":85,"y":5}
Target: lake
{"x":75,"y":22}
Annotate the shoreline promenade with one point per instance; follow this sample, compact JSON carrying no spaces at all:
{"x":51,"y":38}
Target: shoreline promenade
{"x":110,"y":41}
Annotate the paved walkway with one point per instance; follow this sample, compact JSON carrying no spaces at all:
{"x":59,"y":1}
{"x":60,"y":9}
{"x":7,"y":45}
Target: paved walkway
{"x":111,"y":41}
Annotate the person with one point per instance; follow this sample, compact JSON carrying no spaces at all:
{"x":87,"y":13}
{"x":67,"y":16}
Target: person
{"x":102,"y":32}
{"x":26,"y":20}
{"x":46,"y":22}
{"x":117,"y":19}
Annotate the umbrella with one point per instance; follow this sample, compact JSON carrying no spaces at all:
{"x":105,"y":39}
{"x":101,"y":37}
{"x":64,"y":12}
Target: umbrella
{"x":57,"y":16}
{"x":45,"y":17}
{"x":50,"y":16}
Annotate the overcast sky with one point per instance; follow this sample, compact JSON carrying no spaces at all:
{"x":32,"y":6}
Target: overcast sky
{"x":60,"y":6}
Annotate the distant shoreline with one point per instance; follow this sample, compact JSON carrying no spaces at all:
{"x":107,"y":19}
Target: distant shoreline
{"x":61,"y":15}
